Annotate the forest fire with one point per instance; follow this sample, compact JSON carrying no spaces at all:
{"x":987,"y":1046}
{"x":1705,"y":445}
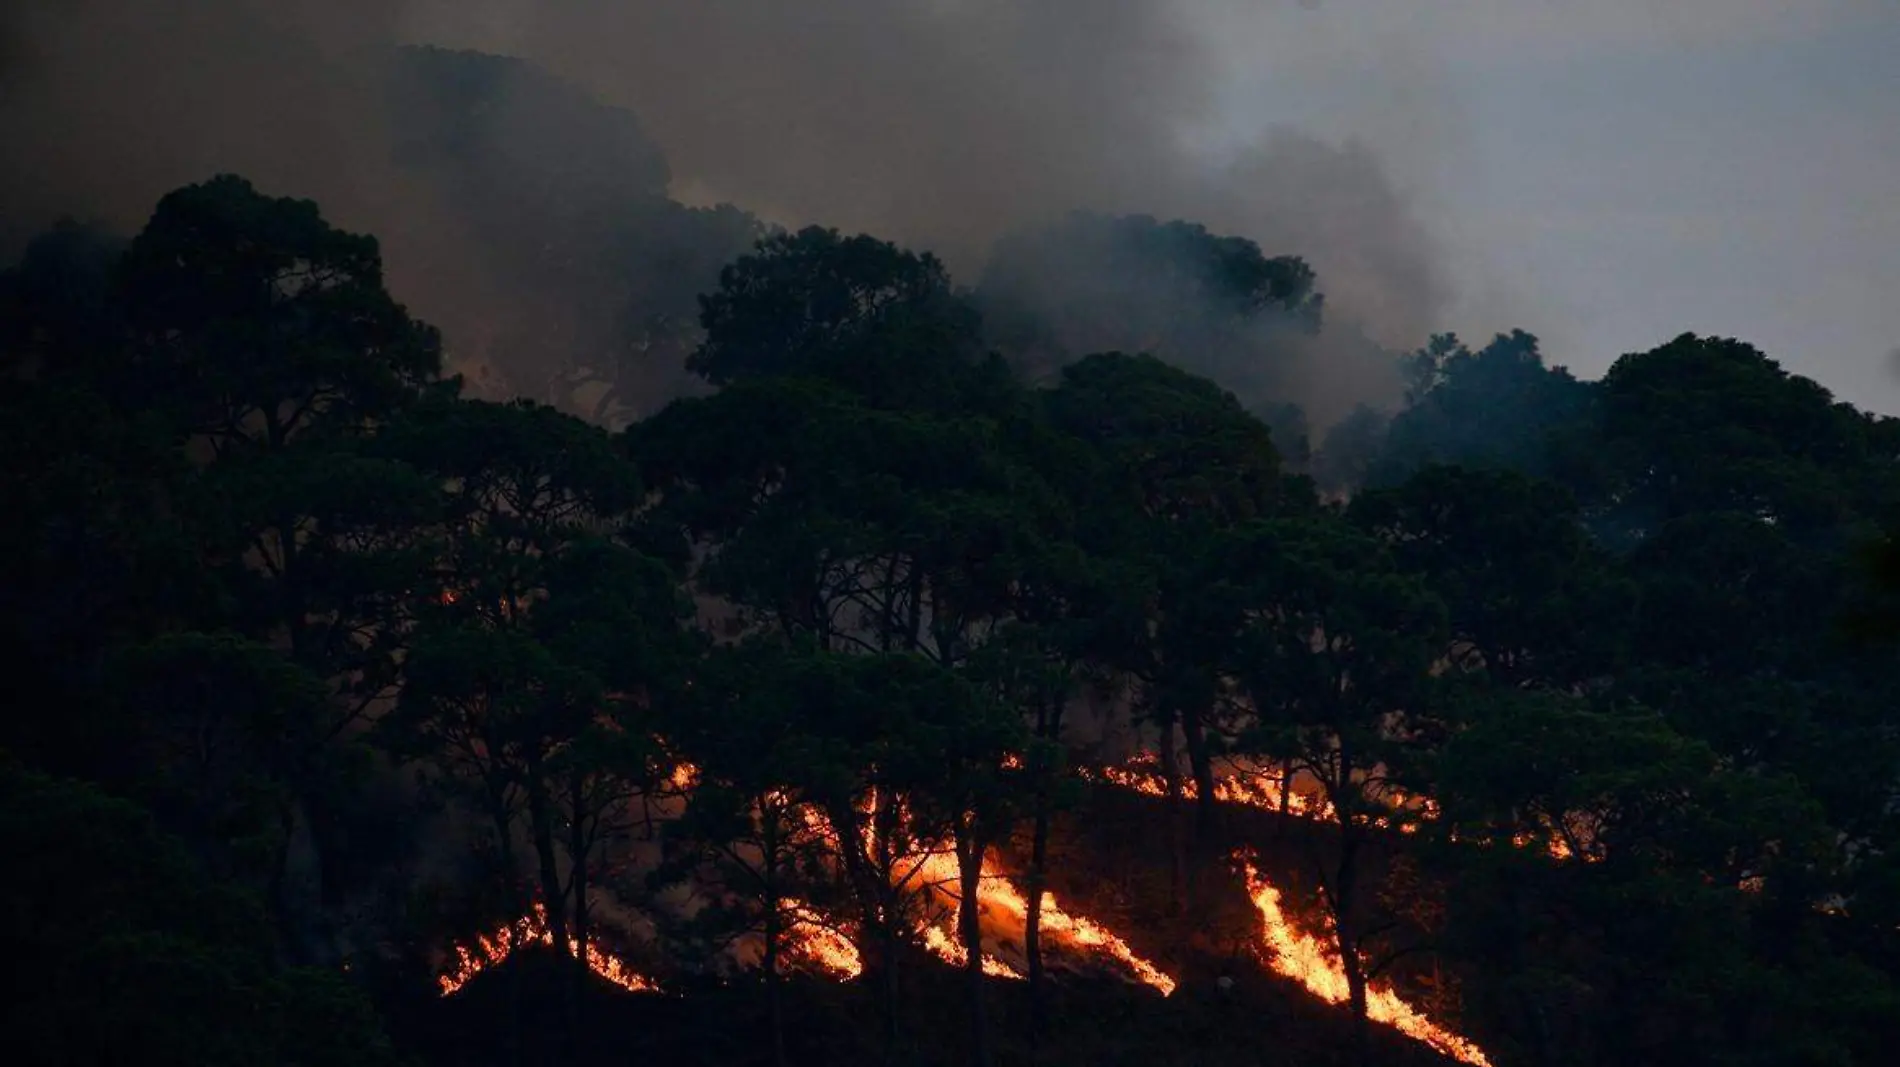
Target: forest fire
{"x":953,"y":952}
{"x":1254,"y":790}
{"x":811,"y":940}
{"x":937,"y":870}
{"x":493,"y":947}
{"x":1309,"y":961}
{"x":824,"y":947}
{"x":1081,"y":931}
{"x":996,"y":896}
{"x":934,"y":870}
{"x":1267,"y":791}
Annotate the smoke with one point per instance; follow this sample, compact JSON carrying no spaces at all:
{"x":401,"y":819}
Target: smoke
{"x":939,"y":123}
{"x":107,"y":105}
{"x":942,"y":124}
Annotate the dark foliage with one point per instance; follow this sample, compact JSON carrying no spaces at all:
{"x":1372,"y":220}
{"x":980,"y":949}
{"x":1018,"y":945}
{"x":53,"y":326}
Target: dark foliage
{"x":331,"y":667}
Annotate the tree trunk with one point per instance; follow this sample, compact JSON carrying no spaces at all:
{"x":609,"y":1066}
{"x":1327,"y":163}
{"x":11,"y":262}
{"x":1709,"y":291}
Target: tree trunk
{"x":892,"y":1034}
{"x":1201,"y":839}
{"x":1537,"y":1020}
{"x":1201,"y":761}
{"x":879,"y":901}
{"x":859,"y":870}
{"x":504,"y":843}
{"x":1032,"y":930}
{"x":1048,"y":728}
{"x":770,"y":822}
{"x":1171,"y":777}
{"x":774,"y":1002}
{"x":969,"y":924}
{"x":577,"y":850}
{"x":1345,"y":934}
{"x":541,"y":826}
{"x":1356,"y":992}
{"x":277,"y":890}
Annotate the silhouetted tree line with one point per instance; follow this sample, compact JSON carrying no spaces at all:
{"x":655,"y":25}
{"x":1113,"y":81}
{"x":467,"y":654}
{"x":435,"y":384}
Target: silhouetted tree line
{"x":260,"y":550}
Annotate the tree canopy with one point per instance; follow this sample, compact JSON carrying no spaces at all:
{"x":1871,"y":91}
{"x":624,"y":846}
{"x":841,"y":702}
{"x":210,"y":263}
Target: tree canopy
{"x":949,"y":640}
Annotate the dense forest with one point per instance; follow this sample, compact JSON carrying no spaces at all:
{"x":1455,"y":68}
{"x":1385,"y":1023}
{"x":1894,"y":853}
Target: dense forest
{"x":980,"y":674}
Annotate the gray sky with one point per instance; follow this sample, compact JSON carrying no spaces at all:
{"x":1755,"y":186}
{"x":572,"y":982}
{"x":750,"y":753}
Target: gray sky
{"x":1605,"y":173}
{"x":1610,"y":173}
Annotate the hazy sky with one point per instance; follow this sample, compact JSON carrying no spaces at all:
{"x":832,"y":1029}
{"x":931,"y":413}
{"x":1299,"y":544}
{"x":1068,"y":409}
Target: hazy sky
{"x":1610,"y":173}
{"x":1605,"y":173}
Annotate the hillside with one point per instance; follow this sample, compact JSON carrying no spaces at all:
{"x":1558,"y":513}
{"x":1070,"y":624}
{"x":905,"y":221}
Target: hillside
{"x":363,"y":720}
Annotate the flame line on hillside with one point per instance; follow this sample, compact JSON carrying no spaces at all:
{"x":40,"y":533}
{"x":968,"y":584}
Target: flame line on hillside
{"x":823,"y":946}
{"x":495,"y":946}
{"x":935,"y":870}
{"x":808,"y":937}
{"x":1311,"y":962}
{"x":1083,"y":931}
{"x":995,"y":892}
{"x":1264,"y":790}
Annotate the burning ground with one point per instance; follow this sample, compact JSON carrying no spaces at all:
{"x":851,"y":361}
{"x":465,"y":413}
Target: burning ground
{"x":1234,"y":945}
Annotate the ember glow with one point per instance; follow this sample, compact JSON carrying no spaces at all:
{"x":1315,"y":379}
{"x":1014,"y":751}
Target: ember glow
{"x":1254,"y":790}
{"x":1082,"y":931}
{"x":952,"y":951}
{"x":809,"y":939}
{"x":937,"y":870}
{"x":493,"y":947}
{"x":1312,"y":963}
{"x":683,"y":777}
{"x":934,"y":870}
{"x":813,"y":943}
{"x":1266,"y":790}
{"x":997,"y":897}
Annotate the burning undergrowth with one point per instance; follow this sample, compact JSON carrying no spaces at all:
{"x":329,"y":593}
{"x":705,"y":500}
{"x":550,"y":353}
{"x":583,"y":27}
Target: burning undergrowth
{"x":1108,"y":919}
{"x":1243,"y":900}
{"x":828,"y":944}
{"x":493,"y":947}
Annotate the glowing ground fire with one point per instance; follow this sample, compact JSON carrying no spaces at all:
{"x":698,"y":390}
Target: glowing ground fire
{"x":823,"y":947}
{"x":1268,"y":792}
{"x":1291,"y":953}
{"x":813,"y":941}
{"x":827,"y":948}
{"x":1309,"y":961}
{"x":953,"y":953}
{"x":1142,"y":775}
{"x":493,"y":947}
{"x":1081,"y":931}
{"x":997,"y":896}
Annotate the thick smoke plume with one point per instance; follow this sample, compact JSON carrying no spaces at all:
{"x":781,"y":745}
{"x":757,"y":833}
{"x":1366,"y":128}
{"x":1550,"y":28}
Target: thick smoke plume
{"x":942,"y":124}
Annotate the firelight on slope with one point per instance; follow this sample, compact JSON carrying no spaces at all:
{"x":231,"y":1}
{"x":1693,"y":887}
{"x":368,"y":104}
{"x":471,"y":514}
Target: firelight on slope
{"x":493,"y":947}
{"x":1309,"y":961}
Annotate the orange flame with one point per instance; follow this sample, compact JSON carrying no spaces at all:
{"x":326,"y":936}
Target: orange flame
{"x":491,"y":948}
{"x":953,"y":952}
{"x":1263,"y":790}
{"x":1082,"y":931}
{"x":935,"y":870}
{"x":1310,"y":962}
{"x":1259,"y":790}
{"x":684,"y":777}
{"x":809,"y":939}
